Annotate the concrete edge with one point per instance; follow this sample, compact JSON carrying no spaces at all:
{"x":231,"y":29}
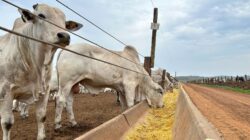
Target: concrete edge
{"x":133,"y":114}
{"x":190,"y":123}
{"x":115,"y":128}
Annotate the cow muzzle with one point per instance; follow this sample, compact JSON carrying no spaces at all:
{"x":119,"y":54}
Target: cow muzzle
{"x":63,"y":38}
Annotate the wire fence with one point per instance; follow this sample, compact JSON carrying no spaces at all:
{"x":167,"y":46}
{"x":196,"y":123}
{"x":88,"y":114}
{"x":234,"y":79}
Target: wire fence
{"x":92,"y":42}
{"x":92,"y":23}
{"x":65,"y":49}
{"x":16,"y":6}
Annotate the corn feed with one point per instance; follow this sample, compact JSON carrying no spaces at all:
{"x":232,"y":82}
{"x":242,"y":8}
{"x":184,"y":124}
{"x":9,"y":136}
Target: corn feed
{"x":158,"y":123}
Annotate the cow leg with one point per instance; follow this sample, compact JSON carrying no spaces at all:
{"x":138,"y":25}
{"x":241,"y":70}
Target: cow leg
{"x":69,"y":108}
{"x":58,"y":115}
{"x":123,"y":102}
{"x":15,"y":105}
{"x":41,"y":106}
{"x":7,"y":120}
{"x":60,"y":103}
{"x":130,"y":94}
{"x":22,"y":114}
{"x":117,"y":98}
{"x":26,"y":111}
{"x":7,"y":117}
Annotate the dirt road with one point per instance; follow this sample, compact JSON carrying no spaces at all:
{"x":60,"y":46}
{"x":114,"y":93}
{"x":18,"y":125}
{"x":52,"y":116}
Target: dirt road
{"x":228,"y":111}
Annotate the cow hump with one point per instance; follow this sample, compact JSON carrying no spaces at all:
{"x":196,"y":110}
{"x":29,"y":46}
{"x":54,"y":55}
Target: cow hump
{"x":131,"y":51}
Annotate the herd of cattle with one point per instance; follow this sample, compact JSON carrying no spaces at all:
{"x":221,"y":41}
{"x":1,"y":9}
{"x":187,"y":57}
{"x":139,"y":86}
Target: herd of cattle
{"x":26,"y":75}
{"x":222,"y":79}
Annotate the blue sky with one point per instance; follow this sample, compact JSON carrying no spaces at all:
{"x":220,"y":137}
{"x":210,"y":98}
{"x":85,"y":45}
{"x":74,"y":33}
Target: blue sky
{"x":208,"y":37}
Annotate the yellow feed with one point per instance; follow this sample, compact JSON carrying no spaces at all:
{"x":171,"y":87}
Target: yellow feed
{"x":158,"y":123}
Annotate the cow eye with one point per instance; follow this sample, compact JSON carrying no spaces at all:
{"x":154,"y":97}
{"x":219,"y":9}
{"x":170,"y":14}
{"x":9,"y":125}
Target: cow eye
{"x":42,"y":16}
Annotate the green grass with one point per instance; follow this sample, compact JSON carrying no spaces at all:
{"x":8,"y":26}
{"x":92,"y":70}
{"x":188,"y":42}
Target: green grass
{"x":236,"y":89}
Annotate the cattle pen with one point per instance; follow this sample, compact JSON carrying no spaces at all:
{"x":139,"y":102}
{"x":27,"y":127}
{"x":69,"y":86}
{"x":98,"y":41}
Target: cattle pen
{"x":64,"y":39}
{"x":103,"y":94}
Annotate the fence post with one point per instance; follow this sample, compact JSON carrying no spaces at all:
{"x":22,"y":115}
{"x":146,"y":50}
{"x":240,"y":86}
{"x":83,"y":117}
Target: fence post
{"x":246,"y":77}
{"x":163,"y":78}
{"x":154,"y":27}
{"x":169,"y":77}
{"x":147,"y":64}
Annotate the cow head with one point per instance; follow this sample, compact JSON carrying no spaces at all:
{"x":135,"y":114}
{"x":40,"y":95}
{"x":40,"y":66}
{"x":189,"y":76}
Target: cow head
{"x":45,"y":31}
{"x":153,"y":93}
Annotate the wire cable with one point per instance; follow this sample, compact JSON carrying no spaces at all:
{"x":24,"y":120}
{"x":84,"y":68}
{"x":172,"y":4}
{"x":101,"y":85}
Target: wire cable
{"x":91,"y":22}
{"x":72,"y":33}
{"x":77,"y":13}
{"x":152,"y":3}
{"x":60,"y":47}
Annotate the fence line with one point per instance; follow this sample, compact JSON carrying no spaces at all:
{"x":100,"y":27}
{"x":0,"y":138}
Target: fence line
{"x":77,"y":13}
{"x":57,"y":46}
{"x":72,"y":33}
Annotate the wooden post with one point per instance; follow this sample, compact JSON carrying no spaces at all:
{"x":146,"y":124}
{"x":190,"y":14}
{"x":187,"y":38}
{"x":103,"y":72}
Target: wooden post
{"x":169,"y":77}
{"x":246,"y":77}
{"x":154,"y":27}
{"x":147,"y":65}
{"x":163,"y":78}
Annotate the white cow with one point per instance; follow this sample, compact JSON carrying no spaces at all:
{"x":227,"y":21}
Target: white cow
{"x":174,"y":81}
{"x":54,"y":86}
{"x":25,"y":64}
{"x":21,"y":107}
{"x":96,"y":75}
{"x":157,"y":77}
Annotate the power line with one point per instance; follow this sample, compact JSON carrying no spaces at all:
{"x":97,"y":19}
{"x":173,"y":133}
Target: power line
{"x":94,"y":24}
{"x":73,"y":33}
{"x":152,"y":3}
{"x":60,"y":47}
{"x":12,"y":4}
{"x":91,"y":22}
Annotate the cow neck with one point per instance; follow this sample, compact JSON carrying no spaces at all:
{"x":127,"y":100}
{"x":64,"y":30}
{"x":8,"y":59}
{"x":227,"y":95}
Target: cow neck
{"x":25,"y":53}
{"x":22,"y":65}
{"x":34,"y":54}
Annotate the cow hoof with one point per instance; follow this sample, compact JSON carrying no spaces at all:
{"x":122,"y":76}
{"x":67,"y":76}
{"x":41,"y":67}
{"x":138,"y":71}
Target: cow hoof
{"x":118,"y":103}
{"x":41,"y":137}
{"x":58,"y":127}
{"x":24,"y":117}
{"x":58,"y":130}
{"x":75,"y":125}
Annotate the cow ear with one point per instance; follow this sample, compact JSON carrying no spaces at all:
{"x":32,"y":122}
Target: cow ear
{"x":73,"y":26}
{"x":26,"y":15}
{"x":35,"y":6}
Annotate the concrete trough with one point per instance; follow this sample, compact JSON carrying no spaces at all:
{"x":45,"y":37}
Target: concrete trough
{"x":189,"y":124}
{"x":115,"y":128}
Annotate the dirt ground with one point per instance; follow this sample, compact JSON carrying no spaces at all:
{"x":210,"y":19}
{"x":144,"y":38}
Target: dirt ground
{"x":228,"y":111}
{"x":90,"y":111}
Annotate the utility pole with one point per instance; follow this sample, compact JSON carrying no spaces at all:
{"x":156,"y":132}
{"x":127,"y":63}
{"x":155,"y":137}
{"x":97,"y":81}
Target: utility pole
{"x":154,"y":27}
{"x":147,"y":64}
{"x":149,"y":60}
{"x":163,"y":78}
